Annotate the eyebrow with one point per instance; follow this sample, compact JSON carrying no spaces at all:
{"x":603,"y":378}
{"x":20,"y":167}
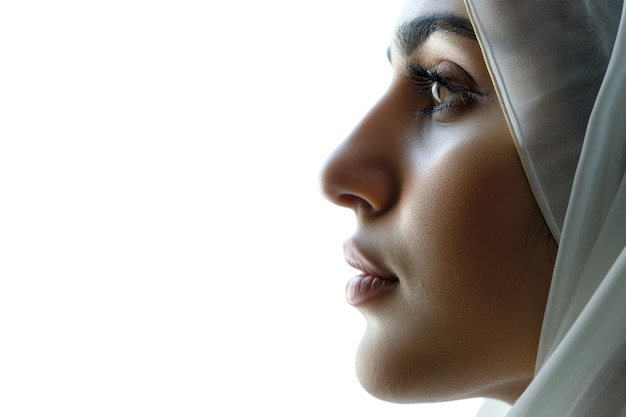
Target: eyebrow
{"x":410,"y":35}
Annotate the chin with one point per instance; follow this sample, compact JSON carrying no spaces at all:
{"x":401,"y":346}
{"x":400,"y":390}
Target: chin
{"x":391,"y":370}
{"x":389,"y":374}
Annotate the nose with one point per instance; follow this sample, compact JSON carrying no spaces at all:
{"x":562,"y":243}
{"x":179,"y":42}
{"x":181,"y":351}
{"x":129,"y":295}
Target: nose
{"x":363,"y":173}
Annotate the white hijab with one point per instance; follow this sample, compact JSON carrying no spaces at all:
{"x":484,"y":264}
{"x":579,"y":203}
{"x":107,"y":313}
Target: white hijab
{"x":563,"y":87}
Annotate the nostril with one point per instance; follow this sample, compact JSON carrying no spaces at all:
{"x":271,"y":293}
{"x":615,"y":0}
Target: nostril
{"x":354,"y":202}
{"x":362,"y":176}
{"x":366,"y":189}
{"x":342,"y":191}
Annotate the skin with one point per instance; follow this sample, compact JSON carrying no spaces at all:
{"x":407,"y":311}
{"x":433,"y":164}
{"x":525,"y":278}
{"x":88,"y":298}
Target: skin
{"x":443,"y":203}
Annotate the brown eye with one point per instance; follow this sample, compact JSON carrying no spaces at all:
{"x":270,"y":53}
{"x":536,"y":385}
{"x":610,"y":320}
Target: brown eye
{"x":442,"y":95}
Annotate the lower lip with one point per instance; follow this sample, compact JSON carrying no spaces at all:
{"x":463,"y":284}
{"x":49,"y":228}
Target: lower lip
{"x":365,"y":288}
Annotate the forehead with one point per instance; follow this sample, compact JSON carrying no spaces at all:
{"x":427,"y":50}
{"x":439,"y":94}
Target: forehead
{"x":413,"y":9}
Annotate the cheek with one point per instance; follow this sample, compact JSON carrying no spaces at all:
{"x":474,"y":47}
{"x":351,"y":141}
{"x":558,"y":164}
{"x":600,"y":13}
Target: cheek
{"x":461,"y":224}
{"x":485,"y":203}
{"x":465,"y":214}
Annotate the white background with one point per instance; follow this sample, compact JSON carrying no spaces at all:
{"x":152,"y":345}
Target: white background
{"x":164,"y":248}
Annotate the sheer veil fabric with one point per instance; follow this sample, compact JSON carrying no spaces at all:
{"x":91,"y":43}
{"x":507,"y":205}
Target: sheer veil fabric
{"x":560,"y":71}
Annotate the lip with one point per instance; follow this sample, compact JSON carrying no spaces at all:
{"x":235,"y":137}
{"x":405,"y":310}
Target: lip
{"x":374,"y":281}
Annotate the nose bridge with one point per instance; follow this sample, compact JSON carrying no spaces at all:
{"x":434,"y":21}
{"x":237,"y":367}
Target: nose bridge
{"x":363,"y":173}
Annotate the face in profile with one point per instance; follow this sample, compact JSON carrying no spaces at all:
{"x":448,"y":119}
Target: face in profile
{"x":454,"y":255}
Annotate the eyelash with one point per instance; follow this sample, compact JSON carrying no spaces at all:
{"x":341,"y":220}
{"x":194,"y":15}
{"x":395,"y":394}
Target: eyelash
{"x":424,"y":79}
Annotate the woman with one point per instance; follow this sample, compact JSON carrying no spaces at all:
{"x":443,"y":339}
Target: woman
{"x":480,"y":276}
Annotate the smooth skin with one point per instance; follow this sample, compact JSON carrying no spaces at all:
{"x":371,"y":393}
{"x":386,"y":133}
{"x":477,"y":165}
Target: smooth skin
{"x":443,"y":203}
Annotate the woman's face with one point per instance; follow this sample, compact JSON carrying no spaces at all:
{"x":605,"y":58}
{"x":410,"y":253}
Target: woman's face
{"x":455,"y":257}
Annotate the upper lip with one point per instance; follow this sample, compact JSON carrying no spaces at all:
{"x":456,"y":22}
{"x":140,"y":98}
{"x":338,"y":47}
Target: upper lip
{"x":358,"y":260}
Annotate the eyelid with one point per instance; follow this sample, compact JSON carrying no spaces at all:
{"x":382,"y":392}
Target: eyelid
{"x":424,"y":79}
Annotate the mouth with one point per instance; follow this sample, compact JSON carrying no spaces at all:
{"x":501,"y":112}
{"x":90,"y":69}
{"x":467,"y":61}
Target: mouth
{"x":374,"y":281}
{"x":363,"y":288}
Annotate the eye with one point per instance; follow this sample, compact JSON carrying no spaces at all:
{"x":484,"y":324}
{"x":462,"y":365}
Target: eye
{"x":442,"y":95}
{"x":449,"y":98}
